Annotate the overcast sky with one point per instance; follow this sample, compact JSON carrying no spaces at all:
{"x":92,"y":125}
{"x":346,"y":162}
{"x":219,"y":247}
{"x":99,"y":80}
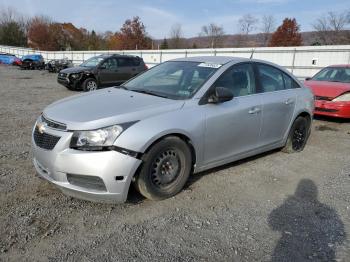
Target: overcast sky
{"x":160,"y":15}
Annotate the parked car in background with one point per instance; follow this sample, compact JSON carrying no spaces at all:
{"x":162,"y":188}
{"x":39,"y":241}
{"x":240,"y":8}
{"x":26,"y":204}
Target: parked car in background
{"x":182,"y":116}
{"x":33,"y":62}
{"x":101,"y":71}
{"x":9,"y":59}
{"x":56,"y":65}
{"x":331,"y":87}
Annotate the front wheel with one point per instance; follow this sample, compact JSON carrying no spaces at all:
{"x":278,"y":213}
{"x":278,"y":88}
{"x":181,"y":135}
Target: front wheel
{"x":166,"y":168}
{"x":298,"y":136}
{"x":89,"y":85}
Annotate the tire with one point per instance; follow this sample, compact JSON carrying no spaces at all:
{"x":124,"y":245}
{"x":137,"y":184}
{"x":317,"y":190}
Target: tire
{"x":89,"y":85}
{"x":166,"y":168}
{"x":298,"y":136}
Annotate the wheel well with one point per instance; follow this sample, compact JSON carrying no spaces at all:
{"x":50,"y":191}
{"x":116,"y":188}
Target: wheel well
{"x":305,"y":115}
{"x":184,"y":138}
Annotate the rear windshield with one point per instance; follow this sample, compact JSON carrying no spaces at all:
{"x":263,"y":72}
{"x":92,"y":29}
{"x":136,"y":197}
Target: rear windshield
{"x":333,"y":74}
{"x":174,"y":80}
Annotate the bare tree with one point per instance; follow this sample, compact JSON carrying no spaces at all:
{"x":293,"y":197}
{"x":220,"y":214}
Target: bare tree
{"x":268,"y":25}
{"x":247,"y":24}
{"x":330,"y":27}
{"x":176,"y":37}
{"x":214,"y":33}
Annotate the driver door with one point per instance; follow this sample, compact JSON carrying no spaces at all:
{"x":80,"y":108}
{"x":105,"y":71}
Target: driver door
{"x":233,"y":127}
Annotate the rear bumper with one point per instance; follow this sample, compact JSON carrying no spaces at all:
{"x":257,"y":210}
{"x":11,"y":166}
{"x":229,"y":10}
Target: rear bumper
{"x":334,"y":109}
{"x":56,"y":165}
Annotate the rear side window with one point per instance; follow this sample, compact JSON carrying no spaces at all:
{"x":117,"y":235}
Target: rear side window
{"x":239,"y":79}
{"x":136,"y":61}
{"x":289,"y":83}
{"x":271,"y":78}
{"x":125,"y":61}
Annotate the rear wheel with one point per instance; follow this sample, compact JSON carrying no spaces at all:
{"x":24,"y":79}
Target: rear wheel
{"x":90,"y":84}
{"x":298,"y":135}
{"x":166,"y":168}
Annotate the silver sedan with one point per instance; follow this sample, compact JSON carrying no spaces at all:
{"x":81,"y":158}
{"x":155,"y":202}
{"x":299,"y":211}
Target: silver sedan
{"x":181,"y":117}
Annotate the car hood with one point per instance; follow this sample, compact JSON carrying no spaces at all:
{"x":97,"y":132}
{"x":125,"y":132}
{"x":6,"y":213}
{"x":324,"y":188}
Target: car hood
{"x":76,"y":69}
{"x":107,"y":107}
{"x":327,"y":89}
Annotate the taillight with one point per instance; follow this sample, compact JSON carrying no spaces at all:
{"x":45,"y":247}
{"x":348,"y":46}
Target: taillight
{"x":146,"y":67}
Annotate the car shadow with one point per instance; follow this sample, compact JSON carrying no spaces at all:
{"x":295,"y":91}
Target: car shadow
{"x":134,"y":197}
{"x":331,"y":119}
{"x":195,"y":177}
{"x":310,"y":230}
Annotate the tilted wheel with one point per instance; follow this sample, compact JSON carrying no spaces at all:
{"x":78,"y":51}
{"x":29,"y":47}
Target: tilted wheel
{"x":298,"y":135}
{"x":166,"y":168}
{"x":89,"y":85}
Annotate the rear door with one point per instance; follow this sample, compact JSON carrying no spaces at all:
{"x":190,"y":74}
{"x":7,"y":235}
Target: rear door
{"x":127,"y":68}
{"x":233,"y":127}
{"x":278,"y":103}
{"x":109,"y":72}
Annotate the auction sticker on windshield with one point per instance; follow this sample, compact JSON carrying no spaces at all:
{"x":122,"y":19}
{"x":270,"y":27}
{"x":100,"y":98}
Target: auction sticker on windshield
{"x":211,"y":65}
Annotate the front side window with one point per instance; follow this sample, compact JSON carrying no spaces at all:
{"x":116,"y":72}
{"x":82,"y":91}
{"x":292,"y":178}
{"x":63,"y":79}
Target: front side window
{"x":174,"y":79}
{"x":239,"y":79}
{"x":92,"y":62}
{"x":110,"y":64}
{"x":271,"y":78}
{"x":333,"y":74}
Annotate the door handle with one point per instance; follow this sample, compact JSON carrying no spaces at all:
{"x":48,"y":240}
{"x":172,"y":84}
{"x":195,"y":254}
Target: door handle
{"x":289,"y":101}
{"x":254,"y":110}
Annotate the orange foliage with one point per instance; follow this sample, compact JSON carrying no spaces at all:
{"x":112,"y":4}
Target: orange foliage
{"x":287,"y":34}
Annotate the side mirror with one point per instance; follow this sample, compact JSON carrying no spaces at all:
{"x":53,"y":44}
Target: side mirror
{"x":102,"y":67}
{"x":308,"y":78}
{"x":220,"y":95}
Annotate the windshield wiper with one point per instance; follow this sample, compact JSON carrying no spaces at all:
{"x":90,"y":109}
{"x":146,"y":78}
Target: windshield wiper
{"x":122,"y":87}
{"x":143,"y":91}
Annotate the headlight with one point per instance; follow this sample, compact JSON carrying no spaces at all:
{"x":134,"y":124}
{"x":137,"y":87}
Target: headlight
{"x":344,"y":98}
{"x":75,"y":76}
{"x":97,"y":139}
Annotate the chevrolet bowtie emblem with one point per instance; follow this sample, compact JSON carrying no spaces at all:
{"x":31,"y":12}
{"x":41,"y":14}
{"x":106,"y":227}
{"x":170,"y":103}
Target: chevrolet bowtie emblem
{"x":41,"y":127}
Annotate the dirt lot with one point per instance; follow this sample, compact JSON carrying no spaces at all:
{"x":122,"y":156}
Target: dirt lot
{"x":274,"y":207}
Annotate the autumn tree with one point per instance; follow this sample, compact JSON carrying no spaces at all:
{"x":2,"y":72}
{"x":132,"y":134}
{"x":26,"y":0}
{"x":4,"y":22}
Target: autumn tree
{"x":133,"y":35}
{"x":287,"y":34}
{"x":214,"y":33}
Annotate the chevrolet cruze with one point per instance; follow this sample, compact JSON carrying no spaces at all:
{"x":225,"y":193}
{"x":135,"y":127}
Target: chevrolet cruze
{"x":178,"y":118}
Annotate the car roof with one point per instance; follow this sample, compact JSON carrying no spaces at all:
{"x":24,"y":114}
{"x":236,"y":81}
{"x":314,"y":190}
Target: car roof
{"x":212,"y":59}
{"x":344,"y":65}
{"x":117,"y":55}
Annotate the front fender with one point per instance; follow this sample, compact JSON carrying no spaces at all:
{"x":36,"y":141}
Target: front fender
{"x":186,"y":122}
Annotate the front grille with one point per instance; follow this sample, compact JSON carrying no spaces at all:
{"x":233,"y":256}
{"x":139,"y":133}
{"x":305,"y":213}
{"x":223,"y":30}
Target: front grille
{"x":323,"y":98}
{"x":44,"y":140}
{"x":53,"y":124}
{"x":326,"y":110}
{"x":62,"y":76}
{"x":89,"y":182}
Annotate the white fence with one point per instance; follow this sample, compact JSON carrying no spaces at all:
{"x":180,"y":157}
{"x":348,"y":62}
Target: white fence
{"x":302,"y":61}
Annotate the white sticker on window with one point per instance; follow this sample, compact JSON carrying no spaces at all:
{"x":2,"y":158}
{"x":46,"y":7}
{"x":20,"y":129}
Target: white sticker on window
{"x":211,"y":65}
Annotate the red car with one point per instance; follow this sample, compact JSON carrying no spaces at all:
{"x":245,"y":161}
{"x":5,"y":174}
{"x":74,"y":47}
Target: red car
{"x":331,"y":87}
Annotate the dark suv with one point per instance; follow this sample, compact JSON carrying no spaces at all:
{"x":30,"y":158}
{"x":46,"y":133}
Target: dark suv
{"x":101,"y":71}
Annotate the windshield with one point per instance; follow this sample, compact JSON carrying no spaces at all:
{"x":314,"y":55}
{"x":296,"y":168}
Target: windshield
{"x":333,"y":74}
{"x":174,"y":80}
{"x":92,"y":62}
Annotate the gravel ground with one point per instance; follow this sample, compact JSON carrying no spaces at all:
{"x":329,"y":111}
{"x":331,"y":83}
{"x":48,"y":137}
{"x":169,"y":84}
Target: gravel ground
{"x":274,"y":207}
